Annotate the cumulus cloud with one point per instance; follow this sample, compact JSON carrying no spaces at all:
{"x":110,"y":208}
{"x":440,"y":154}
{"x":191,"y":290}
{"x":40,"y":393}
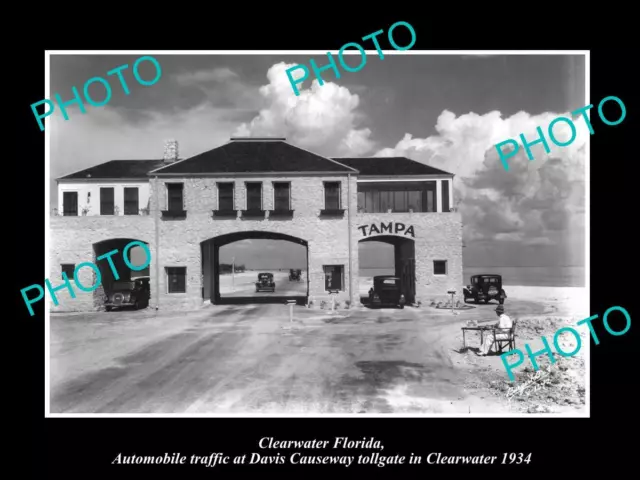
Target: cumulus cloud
{"x":535,"y":202}
{"x":322,"y":118}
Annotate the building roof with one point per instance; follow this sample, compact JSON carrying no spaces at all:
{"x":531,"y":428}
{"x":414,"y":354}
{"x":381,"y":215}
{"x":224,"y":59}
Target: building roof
{"x":254,"y":156}
{"x":390,"y":166}
{"x":117,"y":169}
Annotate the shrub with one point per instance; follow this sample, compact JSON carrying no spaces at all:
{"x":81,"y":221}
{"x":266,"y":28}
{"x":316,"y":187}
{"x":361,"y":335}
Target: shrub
{"x":323,"y":304}
{"x":347,"y":304}
{"x":337,"y":305}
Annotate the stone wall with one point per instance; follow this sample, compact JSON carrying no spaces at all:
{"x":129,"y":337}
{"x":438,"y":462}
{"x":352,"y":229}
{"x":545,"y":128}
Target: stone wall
{"x":438,"y":236}
{"x":180,"y":239}
{"x":72,"y":241}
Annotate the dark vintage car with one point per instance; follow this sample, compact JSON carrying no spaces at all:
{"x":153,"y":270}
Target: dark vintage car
{"x":295,"y":275}
{"x":386,"y":291}
{"x":130,"y":293}
{"x":484,"y":288}
{"x":265,"y":283}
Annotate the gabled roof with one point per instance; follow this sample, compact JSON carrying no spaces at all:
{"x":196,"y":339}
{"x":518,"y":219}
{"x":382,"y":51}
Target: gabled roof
{"x":390,"y":166}
{"x":117,"y":169}
{"x":254,"y":156}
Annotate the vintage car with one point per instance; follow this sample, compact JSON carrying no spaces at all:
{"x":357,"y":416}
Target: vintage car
{"x":295,"y":275}
{"x":386,"y":291}
{"x":131,"y":293}
{"x":265,"y":283}
{"x":483,"y":288}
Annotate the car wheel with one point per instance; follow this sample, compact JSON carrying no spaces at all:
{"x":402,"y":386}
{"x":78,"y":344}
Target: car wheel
{"x":108,"y":309}
{"x":401,"y":307}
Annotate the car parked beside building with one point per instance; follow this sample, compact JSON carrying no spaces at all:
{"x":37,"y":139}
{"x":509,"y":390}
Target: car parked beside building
{"x":485,"y":287}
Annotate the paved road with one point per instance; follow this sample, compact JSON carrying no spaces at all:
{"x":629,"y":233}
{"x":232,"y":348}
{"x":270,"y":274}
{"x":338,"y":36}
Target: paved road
{"x":249,"y":359}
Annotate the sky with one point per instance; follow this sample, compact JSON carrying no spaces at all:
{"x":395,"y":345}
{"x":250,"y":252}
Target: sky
{"x":447,"y":111}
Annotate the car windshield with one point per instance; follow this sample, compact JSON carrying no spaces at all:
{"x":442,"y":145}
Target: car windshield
{"x":389,"y":281}
{"x":123,"y":285}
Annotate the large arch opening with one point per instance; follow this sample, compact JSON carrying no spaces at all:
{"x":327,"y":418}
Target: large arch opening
{"x":387,"y":255}
{"x":137,"y":257}
{"x":233,"y":265}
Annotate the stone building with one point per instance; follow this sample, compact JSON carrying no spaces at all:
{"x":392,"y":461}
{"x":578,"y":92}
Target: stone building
{"x":185,"y":210}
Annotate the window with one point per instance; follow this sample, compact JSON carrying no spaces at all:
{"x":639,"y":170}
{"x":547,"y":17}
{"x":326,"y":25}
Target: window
{"x":225,"y":196}
{"x":445,"y":195}
{"x":281,"y":196}
{"x":106,"y":201}
{"x":175,"y":200}
{"x":131,"y":201}
{"x":334,"y":277}
{"x":439,"y":267}
{"x":176,"y":279}
{"x":379,"y":197}
{"x":254,"y":196}
{"x":332,"y":196}
{"x":68,"y":269}
{"x":70,"y":204}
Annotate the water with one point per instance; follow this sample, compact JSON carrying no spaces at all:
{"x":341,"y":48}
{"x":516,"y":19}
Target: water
{"x":529,"y":276}
{"x":534,"y":276}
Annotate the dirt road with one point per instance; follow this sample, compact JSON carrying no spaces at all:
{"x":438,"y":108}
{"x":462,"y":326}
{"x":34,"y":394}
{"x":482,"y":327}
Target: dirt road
{"x":251,"y":360}
{"x":242,"y":360}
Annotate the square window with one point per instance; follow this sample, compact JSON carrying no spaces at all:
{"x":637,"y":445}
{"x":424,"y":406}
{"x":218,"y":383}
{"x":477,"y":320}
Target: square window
{"x":68,"y":269}
{"x":439,"y":267}
{"x":176,"y":279}
{"x":333,"y":277}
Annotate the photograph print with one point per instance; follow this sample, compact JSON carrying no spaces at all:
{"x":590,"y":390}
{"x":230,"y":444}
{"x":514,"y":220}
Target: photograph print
{"x":220,"y":246}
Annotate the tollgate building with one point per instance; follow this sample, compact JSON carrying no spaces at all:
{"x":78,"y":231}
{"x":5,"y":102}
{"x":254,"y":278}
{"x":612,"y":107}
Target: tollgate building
{"x":185,"y":210}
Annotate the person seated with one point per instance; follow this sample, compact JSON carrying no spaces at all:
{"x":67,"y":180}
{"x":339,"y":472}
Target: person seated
{"x":504,"y":323}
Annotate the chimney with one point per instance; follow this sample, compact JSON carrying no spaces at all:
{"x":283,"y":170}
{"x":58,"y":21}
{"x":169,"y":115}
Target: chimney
{"x":170,"y":151}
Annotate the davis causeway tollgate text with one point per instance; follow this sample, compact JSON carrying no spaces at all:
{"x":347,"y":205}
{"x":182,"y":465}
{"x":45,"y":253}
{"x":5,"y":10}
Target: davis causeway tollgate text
{"x":298,"y":458}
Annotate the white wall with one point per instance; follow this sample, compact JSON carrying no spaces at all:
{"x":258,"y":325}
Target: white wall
{"x":85,"y":188}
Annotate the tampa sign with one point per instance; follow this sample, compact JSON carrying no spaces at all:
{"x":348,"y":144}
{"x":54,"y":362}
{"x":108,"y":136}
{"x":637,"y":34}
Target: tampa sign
{"x":391,"y":227}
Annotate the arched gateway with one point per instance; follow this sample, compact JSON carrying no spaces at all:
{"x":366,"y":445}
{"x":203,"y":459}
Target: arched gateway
{"x":404,"y":261}
{"x":212,"y":284}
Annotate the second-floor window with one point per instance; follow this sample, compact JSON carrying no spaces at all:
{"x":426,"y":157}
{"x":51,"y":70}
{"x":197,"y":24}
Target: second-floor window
{"x":281,"y":196}
{"x":332,"y":195}
{"x":225,"y":196}
{"x":380,"y":197}
{"x":107,"y":206}
{"x":70,"y":204}
{"x":131,"y":201}
{"x":254,"y":196}
{"x":175,"y":201}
